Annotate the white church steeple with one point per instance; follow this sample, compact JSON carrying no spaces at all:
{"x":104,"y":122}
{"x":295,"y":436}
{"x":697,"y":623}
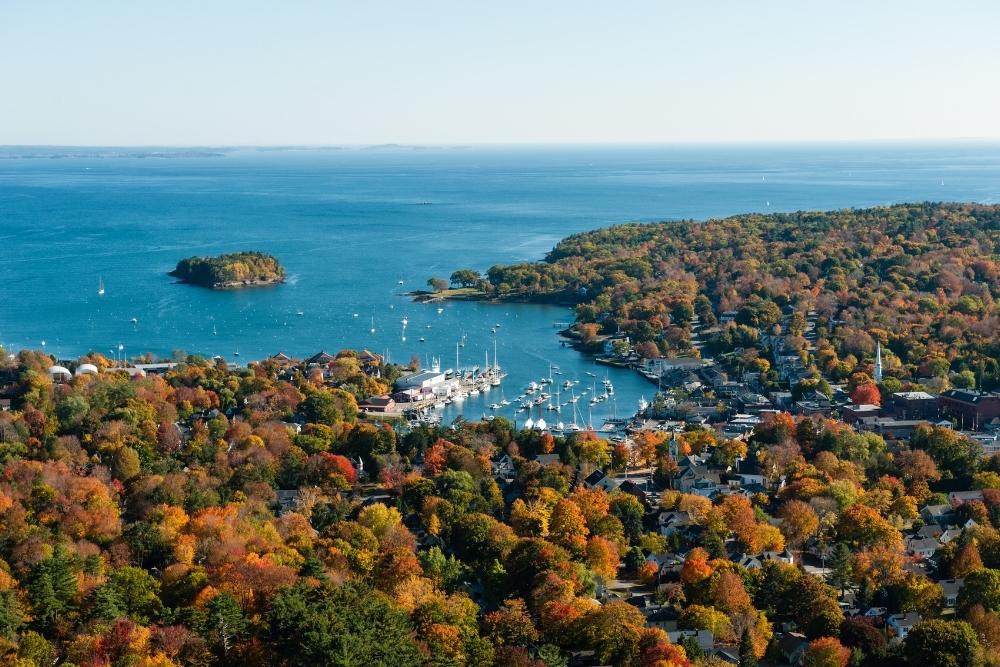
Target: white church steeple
{"x":878,"y":362}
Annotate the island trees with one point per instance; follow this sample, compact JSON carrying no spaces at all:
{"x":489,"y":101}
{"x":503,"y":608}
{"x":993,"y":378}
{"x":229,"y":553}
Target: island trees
{"x":437,"y":284}
{"x":240,"y":269}
{"x":467,"y":278}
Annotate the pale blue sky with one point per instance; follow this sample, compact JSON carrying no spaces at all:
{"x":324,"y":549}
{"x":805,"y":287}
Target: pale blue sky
{"x":128,"y":72}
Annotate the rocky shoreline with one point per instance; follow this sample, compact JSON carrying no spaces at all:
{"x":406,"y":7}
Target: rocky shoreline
{"x":232,"y":285}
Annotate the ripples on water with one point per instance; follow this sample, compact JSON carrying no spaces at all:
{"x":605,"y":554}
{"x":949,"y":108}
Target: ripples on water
{"x":348,"y":225}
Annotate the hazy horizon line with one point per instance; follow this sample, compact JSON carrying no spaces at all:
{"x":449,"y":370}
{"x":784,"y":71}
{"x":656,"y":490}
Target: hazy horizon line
{"x":522,"y":144}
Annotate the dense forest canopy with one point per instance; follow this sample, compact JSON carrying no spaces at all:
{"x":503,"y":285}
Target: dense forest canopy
{"x":143,"y":521}
{"x":922,"y":279}
{"x":230,"y":270}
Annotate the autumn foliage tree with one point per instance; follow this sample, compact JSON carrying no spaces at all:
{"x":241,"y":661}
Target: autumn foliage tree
{"x":826,"y":652}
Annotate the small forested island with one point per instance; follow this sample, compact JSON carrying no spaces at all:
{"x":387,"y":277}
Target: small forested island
{"x":230,"y":271}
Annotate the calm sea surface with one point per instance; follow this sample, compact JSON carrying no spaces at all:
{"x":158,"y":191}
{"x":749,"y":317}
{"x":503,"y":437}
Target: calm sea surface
{"x":349,"y":225}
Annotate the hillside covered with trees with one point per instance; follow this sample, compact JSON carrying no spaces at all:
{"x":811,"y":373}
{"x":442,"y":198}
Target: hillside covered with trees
{"x":923,"y":279}
{"x":251,"y":516}
{"x":239,"y":269}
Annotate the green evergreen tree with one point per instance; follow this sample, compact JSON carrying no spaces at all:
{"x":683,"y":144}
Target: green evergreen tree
{"x":52,"y":588}
{"x":43,"y":598}
{"x":865,"y":593}
{"x":226,"y":623}
{"x":748,"y":657}
{"x":551,"y":656}
{"x":106,"y":603}
{"x":11,"y":618}
{"x":691,"y":647}
{"x":712,"y":543}
{"x":841,"y":567}
{"x":347,"y":626}
{"x":313,"y":567}
{"x":64,"y":581}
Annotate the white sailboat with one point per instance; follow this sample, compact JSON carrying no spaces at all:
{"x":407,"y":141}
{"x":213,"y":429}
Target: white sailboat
{"x":100,"y":286}
{"x":496,"y":375}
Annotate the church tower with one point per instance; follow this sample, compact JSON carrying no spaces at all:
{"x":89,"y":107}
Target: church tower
{"x":878,"y":362}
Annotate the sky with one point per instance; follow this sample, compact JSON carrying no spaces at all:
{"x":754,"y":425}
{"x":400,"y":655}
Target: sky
{"x":228,"y":72}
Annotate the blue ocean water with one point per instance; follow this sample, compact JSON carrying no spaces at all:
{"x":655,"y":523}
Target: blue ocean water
{"x":350,"y":224}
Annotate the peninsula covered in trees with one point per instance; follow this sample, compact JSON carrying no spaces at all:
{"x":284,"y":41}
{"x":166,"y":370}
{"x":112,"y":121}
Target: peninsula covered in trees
{"x":921,"y":279}
{"x":229,"y":271}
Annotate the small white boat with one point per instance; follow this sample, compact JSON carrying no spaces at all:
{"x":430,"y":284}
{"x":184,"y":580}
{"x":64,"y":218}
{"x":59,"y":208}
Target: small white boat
{"x":100,"y":287}
{"x":299,"y":313}
{"x":494,"y":406}
{"x":440,"y":310}
{"x":404,"y":321}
